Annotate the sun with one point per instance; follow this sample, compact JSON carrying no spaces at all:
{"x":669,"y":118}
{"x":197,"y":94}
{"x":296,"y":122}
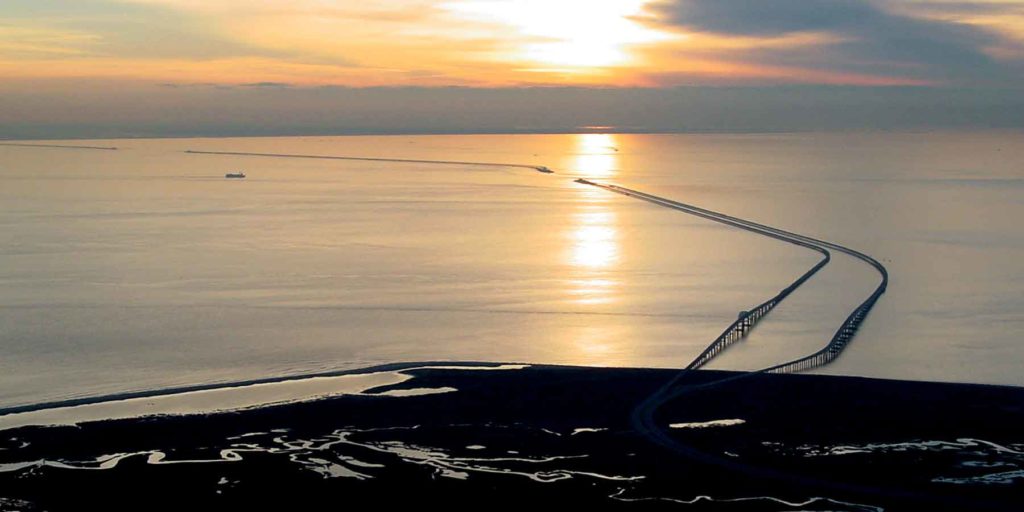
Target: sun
{"x":568,"y":34}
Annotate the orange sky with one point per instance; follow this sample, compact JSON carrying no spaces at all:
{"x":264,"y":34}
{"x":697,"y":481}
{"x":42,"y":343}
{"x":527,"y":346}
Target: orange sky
{"x":500,"y":43}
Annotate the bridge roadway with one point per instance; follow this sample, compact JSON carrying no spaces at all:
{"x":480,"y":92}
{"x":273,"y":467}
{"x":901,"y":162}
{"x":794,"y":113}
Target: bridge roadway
{"x":842,"y":336}
{"x":643,"y":420}
{"x":538,"y":168}
{"x":747,"y":319}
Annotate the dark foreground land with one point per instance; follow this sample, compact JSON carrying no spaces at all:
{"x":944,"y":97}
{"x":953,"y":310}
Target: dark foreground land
{"x":549,"y":436}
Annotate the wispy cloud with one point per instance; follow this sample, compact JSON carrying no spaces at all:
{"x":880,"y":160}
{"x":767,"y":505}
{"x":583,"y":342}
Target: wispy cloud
{"x":112,"y":29}
{"x":859,"y":37}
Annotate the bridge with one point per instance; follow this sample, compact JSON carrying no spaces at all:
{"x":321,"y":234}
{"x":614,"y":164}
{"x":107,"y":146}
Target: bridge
{"x":747,"y":319}
{"x":642,"y":418}
{"x":538,"y":168}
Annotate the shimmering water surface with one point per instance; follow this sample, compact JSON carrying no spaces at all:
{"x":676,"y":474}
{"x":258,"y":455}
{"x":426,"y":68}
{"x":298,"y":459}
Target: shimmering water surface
{"x":144,"y":268}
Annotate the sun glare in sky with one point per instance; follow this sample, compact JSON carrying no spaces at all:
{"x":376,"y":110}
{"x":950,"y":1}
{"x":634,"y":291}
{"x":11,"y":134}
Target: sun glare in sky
{"x":568,"y":35}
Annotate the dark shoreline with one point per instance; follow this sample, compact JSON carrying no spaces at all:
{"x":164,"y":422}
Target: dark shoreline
{"x":400,"y":366}
{"x":549,"y":435}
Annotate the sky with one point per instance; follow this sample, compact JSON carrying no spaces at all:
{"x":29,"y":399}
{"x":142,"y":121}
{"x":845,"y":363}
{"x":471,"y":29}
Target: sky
{"x":80,"y":68}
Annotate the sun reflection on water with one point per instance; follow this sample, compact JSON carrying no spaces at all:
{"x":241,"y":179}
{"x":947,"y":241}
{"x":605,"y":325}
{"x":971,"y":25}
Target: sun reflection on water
{"x":595,"y":247}
{"x":595,"y":240}
{"x":597,"y":346}
{"x":596,"y":155}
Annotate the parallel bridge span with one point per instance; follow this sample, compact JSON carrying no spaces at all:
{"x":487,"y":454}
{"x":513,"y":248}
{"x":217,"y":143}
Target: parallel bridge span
{"x":747,"y":319}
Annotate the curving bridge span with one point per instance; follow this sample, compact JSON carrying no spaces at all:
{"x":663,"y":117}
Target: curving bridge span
{"x":746,"y":319}
{"x":643,"y":416}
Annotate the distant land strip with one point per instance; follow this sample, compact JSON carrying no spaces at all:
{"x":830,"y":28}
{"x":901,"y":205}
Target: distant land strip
{"x":538,"y":168}
{"x":61,"y":146}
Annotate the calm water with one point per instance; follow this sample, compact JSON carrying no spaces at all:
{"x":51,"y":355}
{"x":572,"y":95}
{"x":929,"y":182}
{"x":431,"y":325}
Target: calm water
{"x":144,"y":268}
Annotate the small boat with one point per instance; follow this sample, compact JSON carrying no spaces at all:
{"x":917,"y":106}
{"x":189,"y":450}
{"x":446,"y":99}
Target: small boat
{"x":238,"y":175}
